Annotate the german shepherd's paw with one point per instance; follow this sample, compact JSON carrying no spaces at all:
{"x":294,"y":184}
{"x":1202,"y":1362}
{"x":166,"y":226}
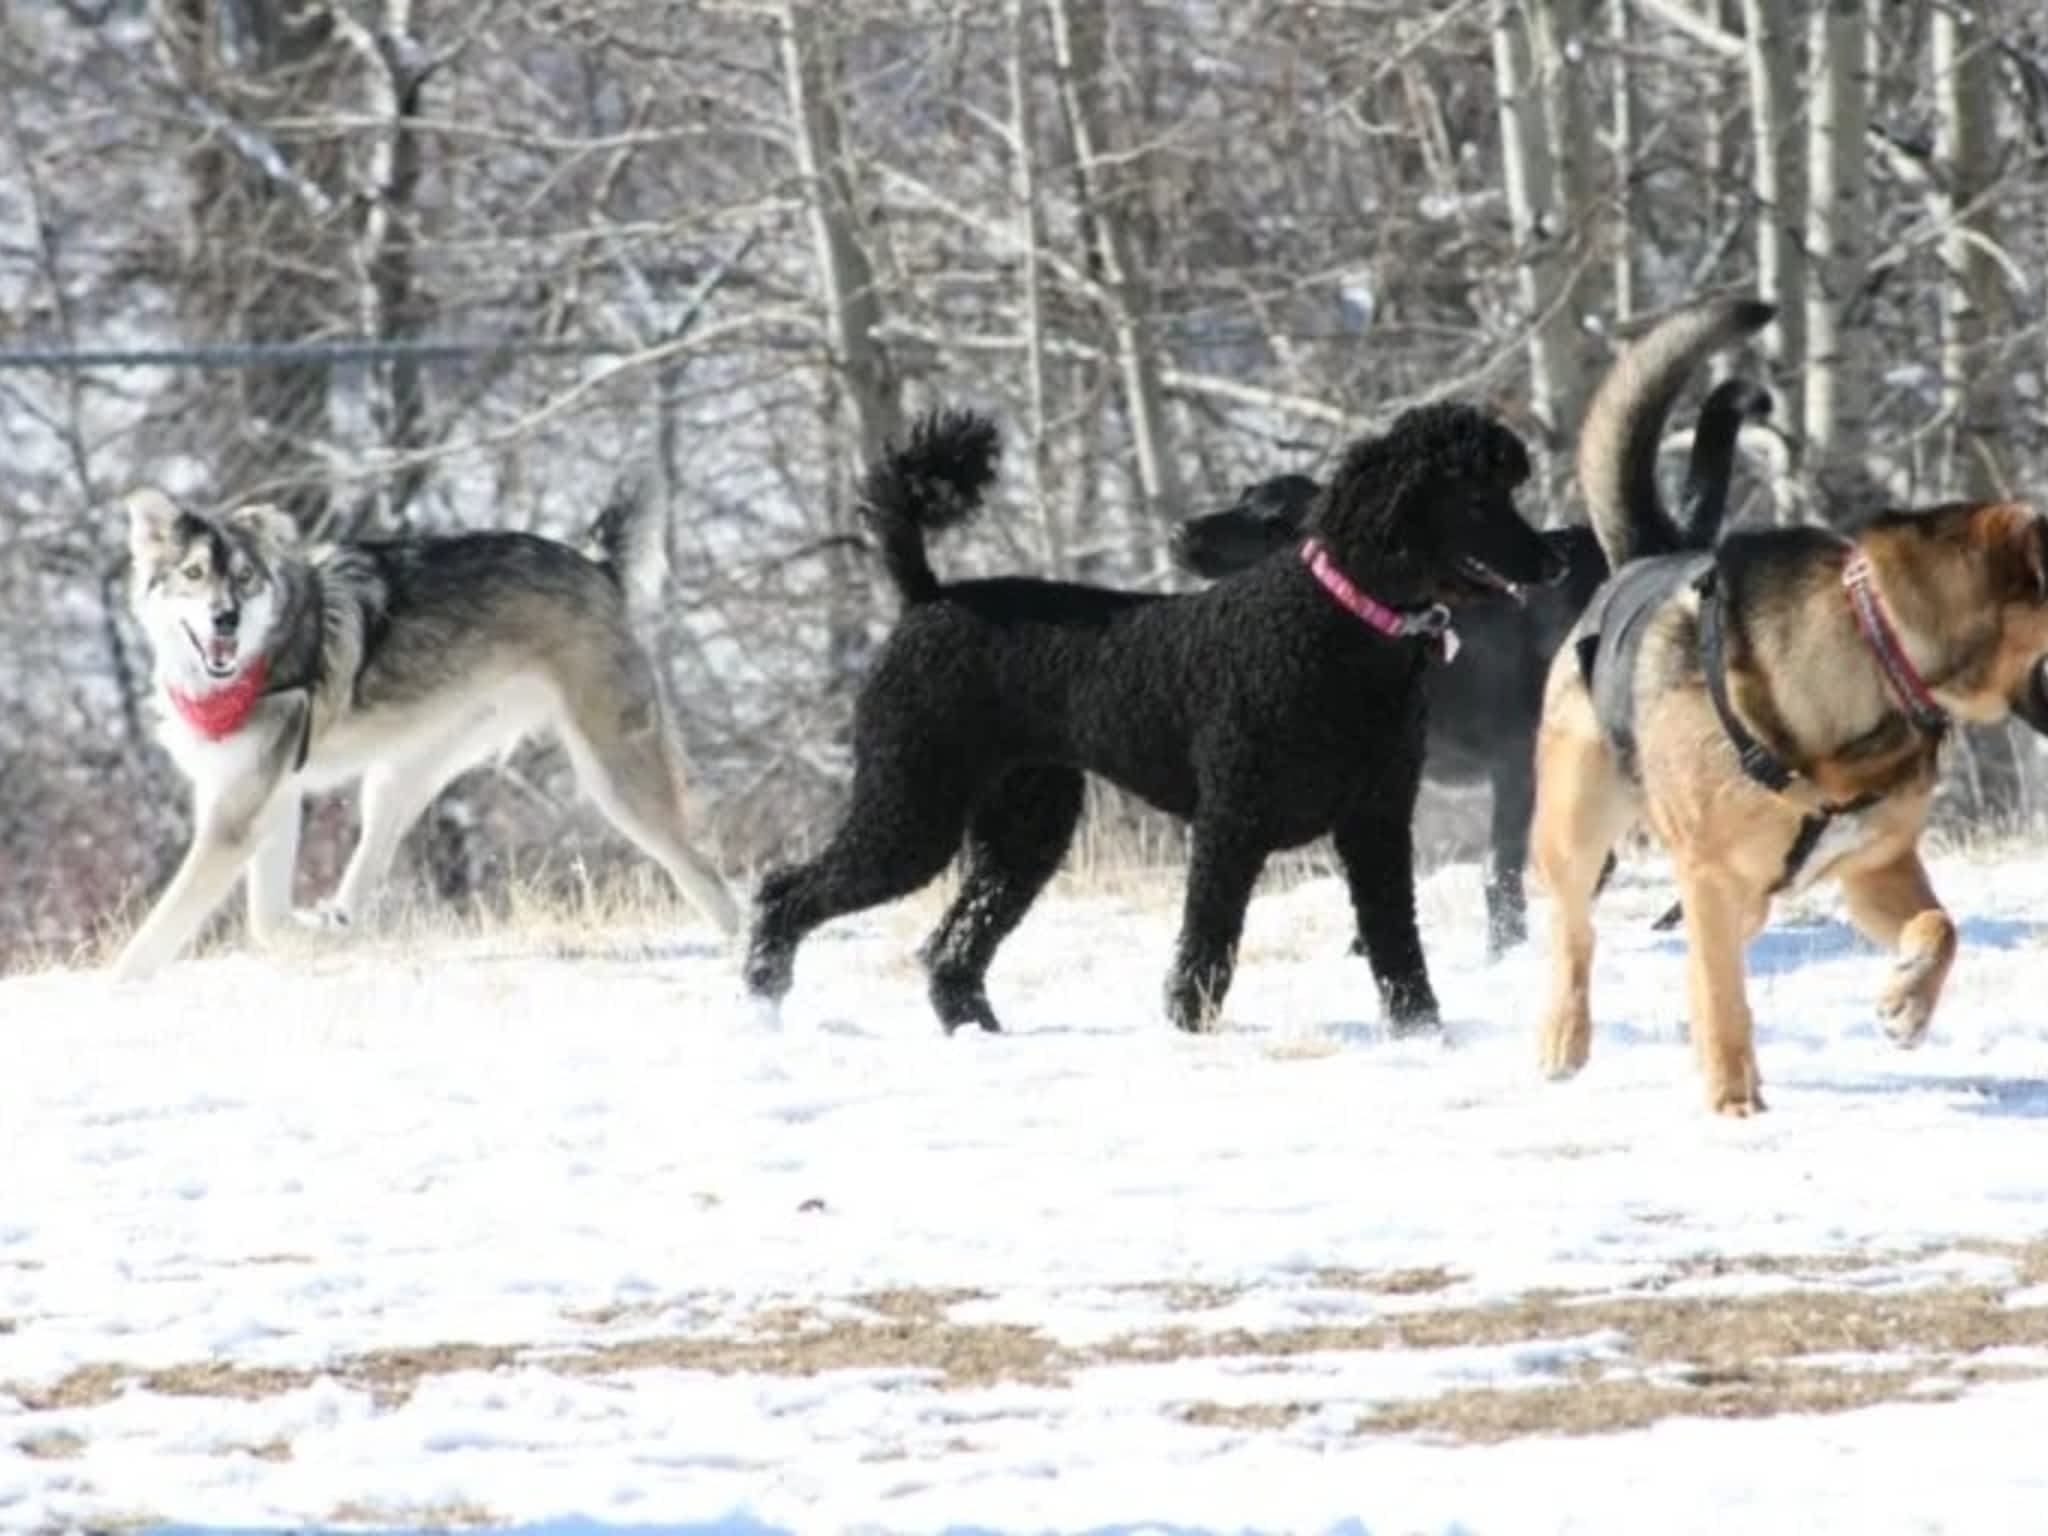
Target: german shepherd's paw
{"x":1737,"y":1103}
{"x":1565,"y":1047}
{"x":1907,"y":1002}
{"x":1927,"y":944}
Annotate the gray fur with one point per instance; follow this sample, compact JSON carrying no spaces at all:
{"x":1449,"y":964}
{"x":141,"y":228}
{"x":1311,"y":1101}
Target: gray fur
{"x":403,"y":663}
{"x":1617,"y":460}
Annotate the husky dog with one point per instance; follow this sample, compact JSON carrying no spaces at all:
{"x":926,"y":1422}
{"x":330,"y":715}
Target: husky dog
{"x":282,"y":670}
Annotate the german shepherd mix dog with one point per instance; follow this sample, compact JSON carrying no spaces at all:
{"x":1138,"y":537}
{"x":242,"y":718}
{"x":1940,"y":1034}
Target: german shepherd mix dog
{"x":281,"y":671}
{"x":1774,"y":709}
{"x":1483,"y":711}
{"x":1270,"y":709}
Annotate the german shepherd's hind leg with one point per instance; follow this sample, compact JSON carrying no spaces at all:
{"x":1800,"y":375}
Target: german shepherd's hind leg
{"x":1016,"y":839}
{"x":1894,"y":905}
{"x":901,"y":827}
{"x":1378,"y":855}
{"x":1722,"y":914}
{"x":1223,"y":867}
{"x":628,"y":761}
{"x":1582,"y":807}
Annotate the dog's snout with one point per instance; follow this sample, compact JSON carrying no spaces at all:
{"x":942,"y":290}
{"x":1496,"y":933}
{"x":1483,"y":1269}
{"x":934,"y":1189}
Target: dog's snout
{"x":226,"y":620}
{"x":1555,"y":566}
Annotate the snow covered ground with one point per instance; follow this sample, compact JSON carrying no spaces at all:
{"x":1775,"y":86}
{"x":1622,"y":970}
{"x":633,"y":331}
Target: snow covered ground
{"x":498,"y":1230}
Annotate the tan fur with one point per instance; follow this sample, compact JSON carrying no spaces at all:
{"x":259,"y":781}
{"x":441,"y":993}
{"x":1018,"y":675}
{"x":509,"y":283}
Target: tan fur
{"x":1964,"y":587}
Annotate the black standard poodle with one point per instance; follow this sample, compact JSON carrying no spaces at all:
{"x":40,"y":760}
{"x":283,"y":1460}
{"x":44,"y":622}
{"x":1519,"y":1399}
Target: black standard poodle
{"x":1484,"y":711}
{"x":1267,"y":710}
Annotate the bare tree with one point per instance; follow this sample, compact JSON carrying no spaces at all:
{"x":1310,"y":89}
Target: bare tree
{"x":1104,"y":163}
{"x":1838,"y":218}
{"x":1773,"y":37}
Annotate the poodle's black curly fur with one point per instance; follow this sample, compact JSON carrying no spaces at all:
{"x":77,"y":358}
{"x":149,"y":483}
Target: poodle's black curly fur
{"x":1260,"y":710}
{"x":1484,"y":711}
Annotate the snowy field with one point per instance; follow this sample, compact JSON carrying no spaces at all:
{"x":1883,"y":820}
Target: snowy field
{"x":503,"y":1230}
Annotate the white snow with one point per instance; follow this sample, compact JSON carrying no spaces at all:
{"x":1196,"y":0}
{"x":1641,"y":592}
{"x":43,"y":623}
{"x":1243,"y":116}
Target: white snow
{"x":288,"y":1161}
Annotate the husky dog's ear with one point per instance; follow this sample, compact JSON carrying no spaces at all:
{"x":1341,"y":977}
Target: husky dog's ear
{"x":152,"y":524}
{"x":267,"y":523}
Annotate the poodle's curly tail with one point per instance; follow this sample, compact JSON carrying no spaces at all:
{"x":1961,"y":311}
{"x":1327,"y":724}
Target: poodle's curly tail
{"x":1618,"y":443}
{"x":932,"y":482}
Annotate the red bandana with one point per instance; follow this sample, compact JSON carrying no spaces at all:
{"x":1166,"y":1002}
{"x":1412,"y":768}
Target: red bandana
{"x":223,"y":711}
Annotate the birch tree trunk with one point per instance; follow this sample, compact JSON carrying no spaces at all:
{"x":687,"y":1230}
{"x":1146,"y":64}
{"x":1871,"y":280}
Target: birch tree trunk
{"x":1538,"y":210}
{"x":1623,"y":127}
{"x":1962,"y":61}
{"x":853,"y":309}
{"x":395,"y":66}
{"x":863,"y":375}
{"x":1838,"y":365}
{"x":1773,"y":39}
{"x":1078,"y":49}
{"x":1024,"y":188}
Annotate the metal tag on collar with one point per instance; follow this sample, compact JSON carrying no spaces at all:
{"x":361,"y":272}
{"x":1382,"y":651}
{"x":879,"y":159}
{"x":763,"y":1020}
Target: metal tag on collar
{"x":1435,"y":623}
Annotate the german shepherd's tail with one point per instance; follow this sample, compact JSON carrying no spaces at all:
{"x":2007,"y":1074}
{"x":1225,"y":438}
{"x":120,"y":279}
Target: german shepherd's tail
{"x":1618,"y":443}
{"x":626,"y":540}
{"x":933,"y":482}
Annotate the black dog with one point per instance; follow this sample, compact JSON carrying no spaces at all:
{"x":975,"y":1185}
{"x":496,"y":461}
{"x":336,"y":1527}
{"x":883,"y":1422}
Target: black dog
{"x":1270,"y":709}
{"x":1484,"y":710}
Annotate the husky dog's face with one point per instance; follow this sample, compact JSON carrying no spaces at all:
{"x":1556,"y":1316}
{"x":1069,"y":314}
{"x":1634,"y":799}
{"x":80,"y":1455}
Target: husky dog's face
{"x":206,"y":589}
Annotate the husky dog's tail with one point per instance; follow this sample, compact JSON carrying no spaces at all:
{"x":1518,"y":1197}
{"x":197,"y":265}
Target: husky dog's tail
{"x":1618,"y":443}
{"x":625,"y":538}
{"x":933,"y":482}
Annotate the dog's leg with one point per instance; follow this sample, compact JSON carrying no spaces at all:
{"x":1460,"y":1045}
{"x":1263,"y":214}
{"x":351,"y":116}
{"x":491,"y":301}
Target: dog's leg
{"x":902,"y":825}
{"x":1514,"y":800}
{"x":1015,"y":841}
{"x":221,"y":843}
{"x":1894,"y":905}
{"x":1582,"y":808}
{"x":1222,"y":869}
{"x":392,"y":796}
{"x":271,"y":870}
{"x":1377,"y":850}
{"x":628,"y":762}
{"x":1722,"y":914}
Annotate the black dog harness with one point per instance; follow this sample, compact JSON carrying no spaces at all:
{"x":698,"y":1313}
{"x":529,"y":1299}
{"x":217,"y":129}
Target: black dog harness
{"x":1619,"y":619}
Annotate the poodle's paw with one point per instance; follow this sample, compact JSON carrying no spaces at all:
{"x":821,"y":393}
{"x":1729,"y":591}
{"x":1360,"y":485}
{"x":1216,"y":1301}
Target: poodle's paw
{"x":769,"y":972}
{"x":962,"y":1000}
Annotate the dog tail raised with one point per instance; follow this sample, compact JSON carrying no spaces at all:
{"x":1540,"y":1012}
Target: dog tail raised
{"x":933,"y":482}
{"x":1704,"y":503}
{"x":1618,"y":443}
{"x":626,"y":539}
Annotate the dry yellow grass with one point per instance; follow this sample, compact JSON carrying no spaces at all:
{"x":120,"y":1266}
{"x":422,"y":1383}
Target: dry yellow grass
{"x":1744,"y":1355}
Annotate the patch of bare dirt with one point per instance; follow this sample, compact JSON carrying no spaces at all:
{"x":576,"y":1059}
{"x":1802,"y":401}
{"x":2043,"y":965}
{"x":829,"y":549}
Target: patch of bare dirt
{"x":1726,"y":1356}
{"x":452,"y":1516}
{"x":52,"y":1445}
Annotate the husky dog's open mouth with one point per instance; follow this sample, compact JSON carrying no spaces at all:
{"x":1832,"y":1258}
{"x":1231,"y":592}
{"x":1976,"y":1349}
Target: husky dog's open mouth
{"x":218,"y":654}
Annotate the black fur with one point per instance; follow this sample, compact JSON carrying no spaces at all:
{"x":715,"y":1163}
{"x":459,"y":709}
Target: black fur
{"x":1259,"y":710}
{"x":1484,"y":708}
